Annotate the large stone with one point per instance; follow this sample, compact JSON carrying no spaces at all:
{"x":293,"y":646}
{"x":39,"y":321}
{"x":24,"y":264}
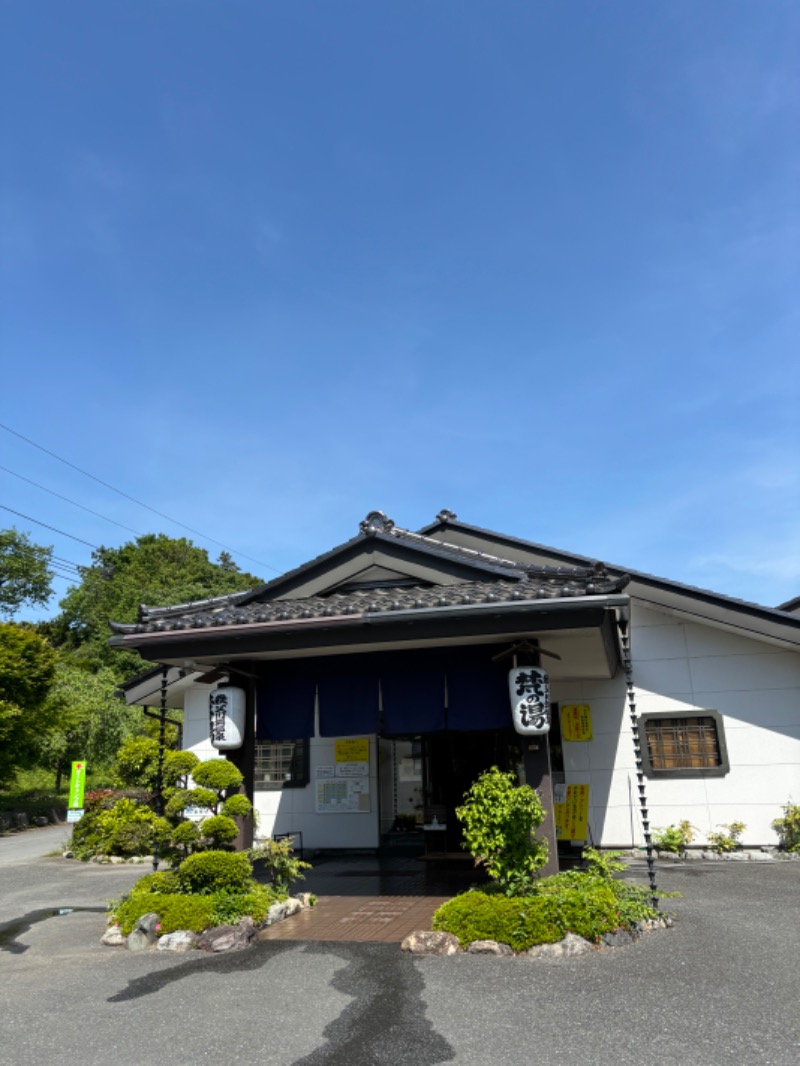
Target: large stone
{"x":489,"y":947}
{"x":619,"y":938}
{"x":181,"y":940}
{"x":113,"y":937}
{"x":228,"y":937}
{"x":145,"y":933}
{"x":306,"y":899}
{"x":427,"y":942}
{"x":572,"y":944}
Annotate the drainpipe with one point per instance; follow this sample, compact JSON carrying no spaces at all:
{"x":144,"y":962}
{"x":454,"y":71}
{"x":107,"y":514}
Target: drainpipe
{"x":627,"y":664}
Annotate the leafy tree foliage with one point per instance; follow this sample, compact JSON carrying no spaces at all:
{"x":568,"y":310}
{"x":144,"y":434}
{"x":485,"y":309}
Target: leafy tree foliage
{"x":27,"y":668}
{"x":500,"y":819}
{"x":88,"y":719}
{"x":25,"y":574}
{"x":155,"y":570}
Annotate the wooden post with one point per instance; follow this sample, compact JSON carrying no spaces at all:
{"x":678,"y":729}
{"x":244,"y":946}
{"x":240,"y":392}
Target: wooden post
{"x":536,"y":760}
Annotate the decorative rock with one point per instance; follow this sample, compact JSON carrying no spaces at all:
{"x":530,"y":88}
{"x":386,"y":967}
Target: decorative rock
{"x":569,"y":946}
{"x":40,"y":820}
{"x":20,"y":820}
{"x":304,"y":898}
{"x":182,"y":940}
{"x":69,"y":855}
{"x":228,"y":937}
{"x":489,"y":947}
{"x":144,"y":933}
{"x":113,"y":937}
{"x":620,"y":938}
{"x":116,"y":860}
{"x":426,"y":942}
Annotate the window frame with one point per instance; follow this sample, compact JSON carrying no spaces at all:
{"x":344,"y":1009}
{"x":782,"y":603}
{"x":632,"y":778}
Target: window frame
{"x":300,"y":766}
{"x":720,"y":770}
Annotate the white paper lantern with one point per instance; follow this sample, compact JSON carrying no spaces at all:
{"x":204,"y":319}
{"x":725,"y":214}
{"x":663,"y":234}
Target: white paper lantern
{"x":529,"y":689}
{"x":227,"y":707}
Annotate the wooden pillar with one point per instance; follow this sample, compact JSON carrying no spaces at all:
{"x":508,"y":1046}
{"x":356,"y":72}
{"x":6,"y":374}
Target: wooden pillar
{"x":536,"y":760}
{"x":244,"y":760}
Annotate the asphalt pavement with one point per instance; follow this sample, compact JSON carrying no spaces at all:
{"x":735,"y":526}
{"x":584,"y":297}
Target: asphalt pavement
{"x":723,"y":986}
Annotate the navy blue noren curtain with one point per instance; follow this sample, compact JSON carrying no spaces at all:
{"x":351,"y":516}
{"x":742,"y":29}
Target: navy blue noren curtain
{"x":285,"y":709}
{"x":348,"y":705}
{"x":413,"y":701}
{"x":477,"y":699}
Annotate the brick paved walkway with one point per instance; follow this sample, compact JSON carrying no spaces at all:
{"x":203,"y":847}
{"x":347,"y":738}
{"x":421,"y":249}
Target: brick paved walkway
{"x":365,"y":897}
{"x":387,"y":919}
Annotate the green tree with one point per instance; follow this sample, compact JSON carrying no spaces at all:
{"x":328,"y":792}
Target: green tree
{"x":25,"y":574}
{"x":88,"y":719}
{"x":155,"y":570}
{"x":500,"y":818}
{"x":27,"y":668}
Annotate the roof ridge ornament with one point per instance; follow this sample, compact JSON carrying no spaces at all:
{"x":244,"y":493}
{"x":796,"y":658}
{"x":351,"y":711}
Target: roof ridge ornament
{"x":376,"y":522}
{"x":445,"y":516}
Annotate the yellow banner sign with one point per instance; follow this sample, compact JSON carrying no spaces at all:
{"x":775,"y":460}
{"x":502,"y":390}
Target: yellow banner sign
{"x":576,"y":721}
{"x":572,"y":816}
{"x":352,"y":749}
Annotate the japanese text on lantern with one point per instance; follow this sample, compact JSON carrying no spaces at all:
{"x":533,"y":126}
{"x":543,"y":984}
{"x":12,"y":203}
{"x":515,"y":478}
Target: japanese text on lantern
{"x":218,"y":707}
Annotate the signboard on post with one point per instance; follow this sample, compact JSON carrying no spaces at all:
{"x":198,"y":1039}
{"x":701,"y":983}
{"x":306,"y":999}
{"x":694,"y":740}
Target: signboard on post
{"x":77,"y":785}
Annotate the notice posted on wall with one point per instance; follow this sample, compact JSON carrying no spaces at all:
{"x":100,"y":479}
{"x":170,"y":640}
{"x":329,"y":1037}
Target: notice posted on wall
{"x":343,"y":795}
{"x":351,"y":756}
{"x":571,"y":812}
{"x":576,"y":722}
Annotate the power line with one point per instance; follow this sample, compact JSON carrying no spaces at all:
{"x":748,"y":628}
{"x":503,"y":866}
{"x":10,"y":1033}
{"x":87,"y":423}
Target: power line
{"x":68,"y":500}
{"x":28,"y":518}
{"x":133,"y":499}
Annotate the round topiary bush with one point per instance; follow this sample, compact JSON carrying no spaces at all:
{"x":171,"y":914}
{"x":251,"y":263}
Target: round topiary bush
{"x":211,"y":871}
{"x":220,"y":830}
{"x":218,"y":774}
{"x":237,"y":806}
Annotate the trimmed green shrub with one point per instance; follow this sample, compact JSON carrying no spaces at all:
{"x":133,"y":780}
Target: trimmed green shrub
{"x":175,"y":911}
{"x":500,"y":819}
{"x":220,"y":830}
{"x":185,"y":835}
{"x":219,"y":774}
{"x":229,"y":907}
{"x":161,"y":881}
{"x":211,"y":871}
{"x":237,"y":806}
{"x":128,"y":828}
{"x":522,"y":922}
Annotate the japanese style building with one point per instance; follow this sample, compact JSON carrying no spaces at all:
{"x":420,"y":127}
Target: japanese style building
{"x":375,"y":687}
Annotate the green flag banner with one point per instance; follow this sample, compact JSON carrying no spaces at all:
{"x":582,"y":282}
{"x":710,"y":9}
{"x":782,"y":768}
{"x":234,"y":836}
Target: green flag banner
{"x":77,"y":783}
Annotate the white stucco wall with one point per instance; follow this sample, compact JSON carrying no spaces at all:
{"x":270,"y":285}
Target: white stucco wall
{"x":687,"y":666}
{"x":293,"y":810}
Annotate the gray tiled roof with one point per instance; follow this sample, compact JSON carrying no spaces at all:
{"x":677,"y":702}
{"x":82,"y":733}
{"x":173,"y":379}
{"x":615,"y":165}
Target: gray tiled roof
{"x":542,"y":583}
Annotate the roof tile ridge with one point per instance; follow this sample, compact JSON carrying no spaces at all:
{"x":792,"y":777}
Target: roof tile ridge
{"x":459,"y":549}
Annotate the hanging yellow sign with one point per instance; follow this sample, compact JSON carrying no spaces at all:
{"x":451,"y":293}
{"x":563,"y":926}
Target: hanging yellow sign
{"x":352,"y":749}
{"x":572,"y":816}
{"x":576,"y":721}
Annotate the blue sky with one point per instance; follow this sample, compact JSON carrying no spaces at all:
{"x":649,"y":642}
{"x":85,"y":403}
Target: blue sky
{"x":267,"y":266}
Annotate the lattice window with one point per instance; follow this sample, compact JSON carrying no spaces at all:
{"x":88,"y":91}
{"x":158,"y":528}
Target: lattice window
{"x":683,"y":743}
{"x":281,"y":764}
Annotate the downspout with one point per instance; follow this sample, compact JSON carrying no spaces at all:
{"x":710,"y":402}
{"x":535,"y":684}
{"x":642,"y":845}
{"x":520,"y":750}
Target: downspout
{"x":624,"y":633}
